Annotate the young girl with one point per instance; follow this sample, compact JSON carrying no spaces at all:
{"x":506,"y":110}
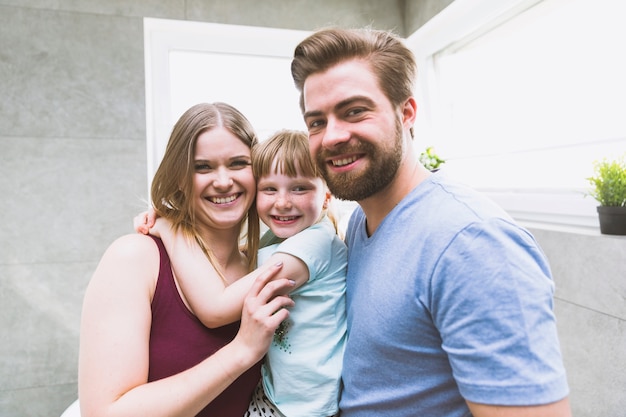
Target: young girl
{"x":301,"y":373}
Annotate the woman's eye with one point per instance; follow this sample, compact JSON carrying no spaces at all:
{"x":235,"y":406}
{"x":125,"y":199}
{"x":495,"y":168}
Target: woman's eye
{"x":202,"y":167}
{"x":240,"y":164}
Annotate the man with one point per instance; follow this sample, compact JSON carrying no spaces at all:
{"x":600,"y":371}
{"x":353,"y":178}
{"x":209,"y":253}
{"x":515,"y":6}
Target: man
{"x":449,"y":301}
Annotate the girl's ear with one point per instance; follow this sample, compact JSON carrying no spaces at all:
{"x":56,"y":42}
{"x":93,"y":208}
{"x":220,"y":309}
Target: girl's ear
{"x":327,"y":199}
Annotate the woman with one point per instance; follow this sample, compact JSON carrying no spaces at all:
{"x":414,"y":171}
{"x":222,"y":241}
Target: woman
{"x":142,"y":351}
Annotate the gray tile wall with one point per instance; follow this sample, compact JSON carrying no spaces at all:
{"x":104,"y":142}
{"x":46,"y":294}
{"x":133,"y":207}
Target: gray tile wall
{"x":72,"y":170}
{"x":590,"y":304}
{"x":73,"y":161}
{"x":73,"y":175}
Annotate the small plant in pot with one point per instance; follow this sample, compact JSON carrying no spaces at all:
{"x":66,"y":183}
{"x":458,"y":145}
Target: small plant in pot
{"x":609,"y":189}
{"x":430,"y":159}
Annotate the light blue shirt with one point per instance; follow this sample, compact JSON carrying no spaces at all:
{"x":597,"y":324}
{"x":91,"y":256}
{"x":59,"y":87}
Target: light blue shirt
{"x":449,"y":300}
{"x":302,"y":370}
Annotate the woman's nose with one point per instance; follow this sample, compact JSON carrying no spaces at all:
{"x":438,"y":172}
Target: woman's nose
{"x":222,"y":178}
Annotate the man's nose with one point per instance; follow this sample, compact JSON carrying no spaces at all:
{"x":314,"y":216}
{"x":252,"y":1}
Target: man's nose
{"x":336,"y":132}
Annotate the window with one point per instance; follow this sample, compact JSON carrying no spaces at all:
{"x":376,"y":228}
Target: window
{"x":522,"y":96}
{"x":191,"y":62}
{"x":519,"y":96}
{"x":248,"y":67}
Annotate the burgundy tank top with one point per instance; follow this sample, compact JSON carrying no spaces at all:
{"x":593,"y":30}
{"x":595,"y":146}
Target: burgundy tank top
{"x":178,"y":341}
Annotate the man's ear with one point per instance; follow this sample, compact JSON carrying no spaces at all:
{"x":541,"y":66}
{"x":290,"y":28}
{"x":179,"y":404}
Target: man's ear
{"x":409,"y":112}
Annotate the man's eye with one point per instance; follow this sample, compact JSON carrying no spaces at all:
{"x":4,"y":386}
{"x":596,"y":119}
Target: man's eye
{"x":316,"y":124}
{"x":355,"y":112}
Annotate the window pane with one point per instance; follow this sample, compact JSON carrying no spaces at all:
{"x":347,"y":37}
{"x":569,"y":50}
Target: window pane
{"x":533,"y":102}
{"x":259,"y":86}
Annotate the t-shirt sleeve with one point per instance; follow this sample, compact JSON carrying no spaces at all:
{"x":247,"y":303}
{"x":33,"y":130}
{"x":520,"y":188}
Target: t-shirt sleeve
{"x":313,"y":246}
{"x":492,"y":303}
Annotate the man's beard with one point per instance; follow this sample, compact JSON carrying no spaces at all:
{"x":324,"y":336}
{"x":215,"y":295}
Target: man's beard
{"x":357,"y":186}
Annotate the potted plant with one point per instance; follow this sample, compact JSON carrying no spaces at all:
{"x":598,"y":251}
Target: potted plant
{"x":609,"y":189}
{"x":430,"y":159}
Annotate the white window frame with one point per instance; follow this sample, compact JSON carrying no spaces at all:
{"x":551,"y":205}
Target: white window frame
{"x":162,"y":37}
{"x":461,"y":22}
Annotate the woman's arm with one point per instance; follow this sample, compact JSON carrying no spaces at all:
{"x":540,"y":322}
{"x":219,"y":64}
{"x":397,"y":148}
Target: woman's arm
{"x":212,"y":301}
{"x":115,"y":329}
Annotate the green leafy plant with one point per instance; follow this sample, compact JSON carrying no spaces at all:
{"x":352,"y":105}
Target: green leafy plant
{"x":430,"y":159}
{"x":609,"y":182}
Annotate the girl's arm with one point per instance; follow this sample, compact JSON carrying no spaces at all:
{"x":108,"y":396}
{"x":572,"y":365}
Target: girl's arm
{"x":213,"y":301}
{"x":115,"y":331}
{"x":143,"y":222}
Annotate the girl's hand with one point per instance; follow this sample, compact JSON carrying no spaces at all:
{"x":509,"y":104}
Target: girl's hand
{"x":264,"y":308}
{"x":143,"y":222}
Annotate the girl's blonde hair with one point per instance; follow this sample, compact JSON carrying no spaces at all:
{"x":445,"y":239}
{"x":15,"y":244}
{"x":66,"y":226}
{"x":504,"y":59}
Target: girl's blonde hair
{"x":287,"y":152}
{"x":172,"y":186}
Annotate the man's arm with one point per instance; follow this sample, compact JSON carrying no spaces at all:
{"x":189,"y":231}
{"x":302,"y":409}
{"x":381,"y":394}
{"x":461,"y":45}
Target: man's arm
{"x":558,"y":409}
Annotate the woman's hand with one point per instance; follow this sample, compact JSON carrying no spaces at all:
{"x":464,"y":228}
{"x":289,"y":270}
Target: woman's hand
{"x":143,"y":222}
{"x":264,"y":308}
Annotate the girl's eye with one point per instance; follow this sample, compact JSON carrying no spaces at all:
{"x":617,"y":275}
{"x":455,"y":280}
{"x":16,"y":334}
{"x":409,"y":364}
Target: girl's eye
{"x":301,"y":189}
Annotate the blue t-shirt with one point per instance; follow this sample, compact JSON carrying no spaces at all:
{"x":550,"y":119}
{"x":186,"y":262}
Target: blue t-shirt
{"x":448,"y":300}
{"x":302,"y":370}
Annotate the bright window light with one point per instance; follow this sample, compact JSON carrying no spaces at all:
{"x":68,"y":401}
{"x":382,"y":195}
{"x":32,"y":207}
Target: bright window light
{"x":259,"y":86}
{"x":522,"y":108}
{"x":519,"y":96}
{"x":193,"y":62}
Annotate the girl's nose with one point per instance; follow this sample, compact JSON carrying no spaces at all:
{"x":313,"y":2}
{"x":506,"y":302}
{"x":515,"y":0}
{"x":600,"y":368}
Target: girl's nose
{"x":282,"y":202}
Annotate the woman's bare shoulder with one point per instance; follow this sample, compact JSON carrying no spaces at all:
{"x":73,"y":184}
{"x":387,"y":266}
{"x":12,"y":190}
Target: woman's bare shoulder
{"x":130,"y":257}
{"x":133,"y":245}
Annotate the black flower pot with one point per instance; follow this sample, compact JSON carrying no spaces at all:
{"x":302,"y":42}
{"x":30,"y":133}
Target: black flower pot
{"x":612,"y":220}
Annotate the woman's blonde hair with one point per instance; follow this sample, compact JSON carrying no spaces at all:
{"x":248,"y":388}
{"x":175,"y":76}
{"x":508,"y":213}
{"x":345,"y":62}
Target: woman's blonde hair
{"x":172,"y":186}
{"x":287,"y":152}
